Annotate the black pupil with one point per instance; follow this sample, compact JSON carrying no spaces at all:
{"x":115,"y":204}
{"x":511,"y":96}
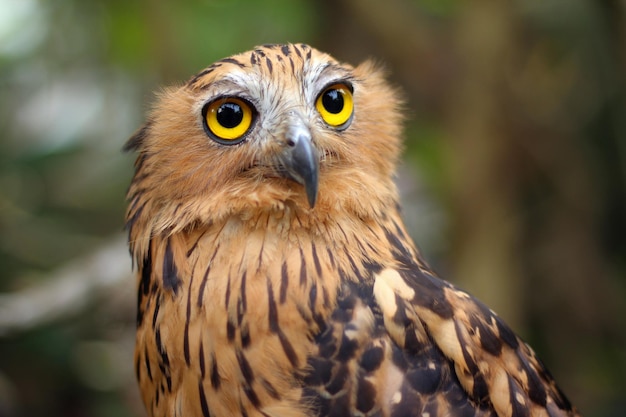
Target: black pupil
{"x":230,"y":115}
{"x":333,"y":101}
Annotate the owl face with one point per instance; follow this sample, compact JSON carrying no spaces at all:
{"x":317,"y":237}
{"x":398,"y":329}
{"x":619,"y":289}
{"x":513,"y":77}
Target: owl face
{"x":279,"y":125}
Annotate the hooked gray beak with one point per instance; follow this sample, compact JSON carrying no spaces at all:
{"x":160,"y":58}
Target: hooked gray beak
{"x":301,"y":161}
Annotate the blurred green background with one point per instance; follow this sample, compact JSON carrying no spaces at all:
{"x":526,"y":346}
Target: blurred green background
{"x":514,"y":181}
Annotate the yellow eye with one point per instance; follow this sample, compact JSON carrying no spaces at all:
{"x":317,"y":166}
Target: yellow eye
{"x":227,"y":119}
{"x":335,"y":105}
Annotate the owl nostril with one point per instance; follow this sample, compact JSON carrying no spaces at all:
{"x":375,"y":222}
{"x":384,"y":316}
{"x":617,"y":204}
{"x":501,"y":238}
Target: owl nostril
{"x":291,"y":143}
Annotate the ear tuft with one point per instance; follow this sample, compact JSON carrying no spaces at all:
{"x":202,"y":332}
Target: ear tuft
{"x":136,"y":140}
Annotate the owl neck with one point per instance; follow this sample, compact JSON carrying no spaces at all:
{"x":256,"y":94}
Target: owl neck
{"x":279,"y":246}
{"x":341,"y":244}
{"x":321,"y":241}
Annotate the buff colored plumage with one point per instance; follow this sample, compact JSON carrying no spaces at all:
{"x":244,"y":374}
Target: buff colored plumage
{"x":275,"y":275}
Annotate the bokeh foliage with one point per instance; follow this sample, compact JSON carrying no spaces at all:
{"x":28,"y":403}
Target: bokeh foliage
{"x":514,"y":181}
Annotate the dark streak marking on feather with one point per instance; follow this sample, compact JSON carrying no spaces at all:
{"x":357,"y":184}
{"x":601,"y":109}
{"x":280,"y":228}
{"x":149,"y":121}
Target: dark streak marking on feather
{"x":284,"y":283}
{"x":203,"y":402}
{"x":201,"y":359}
{"x":215,"y":375}
{"x":316,"y":260}
{"x":233,"y":61}
{"x":205,"y":277}
{"x":269,"y":65}
{"x":201,"y":74}
{"x":302,"y":269}
{"x":187,"y":320}
{"x":272,"y":313}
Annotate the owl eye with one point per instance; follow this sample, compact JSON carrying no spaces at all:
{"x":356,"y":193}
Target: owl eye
{"x":227,"y":119}
{"x":335,"y":105}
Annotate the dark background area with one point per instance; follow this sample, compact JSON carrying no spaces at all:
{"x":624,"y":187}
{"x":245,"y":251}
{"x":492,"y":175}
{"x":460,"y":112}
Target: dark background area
{"x":514,"y":181}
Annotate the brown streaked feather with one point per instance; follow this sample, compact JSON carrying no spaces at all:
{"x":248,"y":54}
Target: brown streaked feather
{"x":251,"y":303}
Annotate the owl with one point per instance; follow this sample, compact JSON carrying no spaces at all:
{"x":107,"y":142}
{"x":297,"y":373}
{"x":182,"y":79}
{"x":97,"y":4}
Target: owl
{"x":275,"y":275}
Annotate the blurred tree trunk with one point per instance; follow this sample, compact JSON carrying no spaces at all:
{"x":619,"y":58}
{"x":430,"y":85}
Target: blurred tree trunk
{"x":484,"y":178}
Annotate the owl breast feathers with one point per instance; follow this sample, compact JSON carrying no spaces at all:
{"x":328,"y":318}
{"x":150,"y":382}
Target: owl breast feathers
{"x":275,"y":274}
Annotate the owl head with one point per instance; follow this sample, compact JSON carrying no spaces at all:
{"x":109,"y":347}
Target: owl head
{"x":281,"y":128}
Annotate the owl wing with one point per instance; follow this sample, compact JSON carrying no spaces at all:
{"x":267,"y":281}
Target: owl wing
{"x":412,"y":344}
{"x":492,"y":365}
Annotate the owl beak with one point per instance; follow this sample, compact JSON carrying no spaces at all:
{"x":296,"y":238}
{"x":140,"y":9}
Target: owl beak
{"x":301,"y":161}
